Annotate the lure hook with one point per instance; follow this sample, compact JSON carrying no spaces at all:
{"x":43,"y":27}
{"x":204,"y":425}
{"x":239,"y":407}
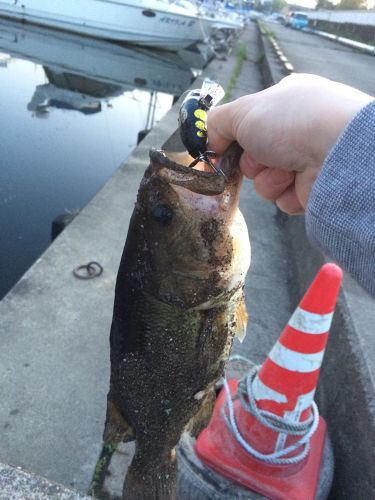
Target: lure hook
{"x":205,"y":157}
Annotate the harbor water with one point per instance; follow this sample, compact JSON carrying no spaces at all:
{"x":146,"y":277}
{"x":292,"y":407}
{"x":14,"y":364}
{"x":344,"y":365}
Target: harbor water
{"x":71,"y":109}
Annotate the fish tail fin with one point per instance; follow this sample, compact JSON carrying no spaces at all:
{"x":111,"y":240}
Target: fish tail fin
{"x":151,"y":478}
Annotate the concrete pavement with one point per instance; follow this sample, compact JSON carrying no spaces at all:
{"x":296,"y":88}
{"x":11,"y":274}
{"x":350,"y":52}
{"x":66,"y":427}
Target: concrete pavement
{"x":312,"y":54}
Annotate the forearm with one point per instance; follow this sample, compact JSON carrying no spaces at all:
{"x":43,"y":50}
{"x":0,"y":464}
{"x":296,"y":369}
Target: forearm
{"x":340,"y":215}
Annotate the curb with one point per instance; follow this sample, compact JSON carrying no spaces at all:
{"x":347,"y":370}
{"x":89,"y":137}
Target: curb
{"x":364,"y":47}
{"x":19,"y":485}
{"x":274,"y":65}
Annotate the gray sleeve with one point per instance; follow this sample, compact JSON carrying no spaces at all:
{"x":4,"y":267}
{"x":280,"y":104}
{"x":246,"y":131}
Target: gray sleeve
{"x":340,"y":215}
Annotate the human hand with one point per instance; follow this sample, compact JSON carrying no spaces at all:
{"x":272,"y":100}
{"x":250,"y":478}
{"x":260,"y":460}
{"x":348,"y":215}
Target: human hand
{"x":286,"y":132}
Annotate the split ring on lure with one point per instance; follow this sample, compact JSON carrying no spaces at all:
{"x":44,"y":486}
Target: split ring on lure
{"x":193,"y":121}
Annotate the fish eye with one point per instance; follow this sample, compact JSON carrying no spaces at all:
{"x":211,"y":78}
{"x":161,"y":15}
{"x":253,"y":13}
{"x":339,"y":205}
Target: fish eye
{"x":162,"y":213}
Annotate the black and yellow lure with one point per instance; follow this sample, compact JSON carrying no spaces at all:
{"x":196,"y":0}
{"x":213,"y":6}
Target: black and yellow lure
{"x":193,"y":121}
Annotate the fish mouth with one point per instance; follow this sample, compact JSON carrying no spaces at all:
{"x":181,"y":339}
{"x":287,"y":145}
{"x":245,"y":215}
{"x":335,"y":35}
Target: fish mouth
{"x":174,"y":167}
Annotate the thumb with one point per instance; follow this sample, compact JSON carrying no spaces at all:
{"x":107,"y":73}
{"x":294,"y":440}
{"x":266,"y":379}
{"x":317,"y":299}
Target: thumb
{"x":220,"y":127}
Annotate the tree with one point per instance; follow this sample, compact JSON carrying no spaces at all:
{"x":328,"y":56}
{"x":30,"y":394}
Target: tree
{"x":352,"y":4}
{"x":325,"y":4}
{"x":278,"y":5}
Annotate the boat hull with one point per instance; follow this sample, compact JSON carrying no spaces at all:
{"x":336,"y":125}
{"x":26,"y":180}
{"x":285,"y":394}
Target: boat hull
{"x":132,"y":22}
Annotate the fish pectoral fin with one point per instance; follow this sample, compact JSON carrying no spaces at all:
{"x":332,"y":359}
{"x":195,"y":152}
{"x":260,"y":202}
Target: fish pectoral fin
{"x":241,"y":318}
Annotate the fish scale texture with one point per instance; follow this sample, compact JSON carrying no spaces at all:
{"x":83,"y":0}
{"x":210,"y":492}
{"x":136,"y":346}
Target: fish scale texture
{"x":340,"y":216}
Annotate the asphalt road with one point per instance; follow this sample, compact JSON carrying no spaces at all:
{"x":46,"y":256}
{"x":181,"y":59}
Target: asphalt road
{"x":310,"y":53}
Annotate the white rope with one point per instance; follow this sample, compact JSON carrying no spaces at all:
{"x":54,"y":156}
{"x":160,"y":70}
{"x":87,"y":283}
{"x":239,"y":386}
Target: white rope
{"x":305,"y":429}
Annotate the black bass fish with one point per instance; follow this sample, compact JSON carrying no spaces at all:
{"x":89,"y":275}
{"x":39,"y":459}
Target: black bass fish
{"x":178,"y":304}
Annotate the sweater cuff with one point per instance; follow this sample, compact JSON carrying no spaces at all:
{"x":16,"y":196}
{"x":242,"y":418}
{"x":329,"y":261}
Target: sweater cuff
{"x":340,"y":215}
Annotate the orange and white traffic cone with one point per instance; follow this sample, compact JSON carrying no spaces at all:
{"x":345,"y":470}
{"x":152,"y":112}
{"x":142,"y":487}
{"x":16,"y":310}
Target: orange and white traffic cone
{"x":265,"y":432}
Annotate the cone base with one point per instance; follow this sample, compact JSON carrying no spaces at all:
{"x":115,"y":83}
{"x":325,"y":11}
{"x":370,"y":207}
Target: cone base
{"x":217,"y":448}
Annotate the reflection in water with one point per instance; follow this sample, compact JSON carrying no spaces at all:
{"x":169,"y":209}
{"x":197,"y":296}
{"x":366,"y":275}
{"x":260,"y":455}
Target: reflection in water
{"x":94,"y":98}
{"x":4,"y":59}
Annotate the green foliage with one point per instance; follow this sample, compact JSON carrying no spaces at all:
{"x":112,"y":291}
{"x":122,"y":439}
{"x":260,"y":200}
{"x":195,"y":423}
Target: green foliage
{"x":261,"y":58}
{"x":325,"y":4}
{"x":278,"y":5}
{"x":265,"y":30}
{"x":241,"y":56}
{"x":352,"y":4}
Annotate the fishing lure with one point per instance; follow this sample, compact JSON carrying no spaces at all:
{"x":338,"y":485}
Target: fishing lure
{"x":193,"y":121}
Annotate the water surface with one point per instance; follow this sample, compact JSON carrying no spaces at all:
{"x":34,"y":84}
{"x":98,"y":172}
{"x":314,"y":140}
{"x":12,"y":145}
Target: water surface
{"x":70,"y":110}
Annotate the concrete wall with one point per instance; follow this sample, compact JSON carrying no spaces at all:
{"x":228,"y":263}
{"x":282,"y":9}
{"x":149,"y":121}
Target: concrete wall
{"x":362,"y":17}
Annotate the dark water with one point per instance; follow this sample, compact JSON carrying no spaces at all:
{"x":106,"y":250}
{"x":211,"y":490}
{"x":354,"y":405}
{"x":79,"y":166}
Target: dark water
{"x":70,"y":112}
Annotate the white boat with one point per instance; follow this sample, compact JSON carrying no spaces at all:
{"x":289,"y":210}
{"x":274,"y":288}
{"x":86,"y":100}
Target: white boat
{"x":109,"y":63}
{"x":155,"y":23}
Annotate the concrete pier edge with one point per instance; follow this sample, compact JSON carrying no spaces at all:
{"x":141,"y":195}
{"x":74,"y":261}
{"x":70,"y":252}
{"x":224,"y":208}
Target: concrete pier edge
{"x":346,"y":392}
{"x":17,"y":484}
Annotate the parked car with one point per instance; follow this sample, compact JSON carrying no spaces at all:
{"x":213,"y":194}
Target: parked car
{"x":255,"y":14}
{"x":276,"y":17}
{"x":298,"y":20}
